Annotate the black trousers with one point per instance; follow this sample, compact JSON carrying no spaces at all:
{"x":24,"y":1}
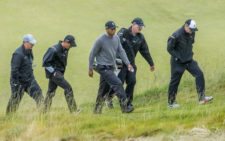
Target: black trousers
{"x":54,"y":82}
{"x":31,"y":88}
{"x":177,"y":70}
{"x":130,"y":79}
{"x":108,"y":80}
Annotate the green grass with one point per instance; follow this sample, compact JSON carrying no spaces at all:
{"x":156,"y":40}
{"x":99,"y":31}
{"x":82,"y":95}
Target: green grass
{"x":49,"y":21}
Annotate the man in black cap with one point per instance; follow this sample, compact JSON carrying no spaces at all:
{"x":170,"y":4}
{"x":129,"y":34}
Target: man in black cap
{"x":133,"y":41}
{"x":105,"y":50}
{"x":180,"y":45}
{"x":22,"y":77}
{"x":55,"y":62}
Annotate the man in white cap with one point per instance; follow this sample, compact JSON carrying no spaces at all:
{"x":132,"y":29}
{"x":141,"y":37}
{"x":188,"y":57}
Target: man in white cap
{"x":22,"y":77}
{"x":179,"y":46}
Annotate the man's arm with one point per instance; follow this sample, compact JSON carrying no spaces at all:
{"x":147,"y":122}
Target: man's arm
{"x":144,"y":50}
{"x":121,"y":34}
{"x":15,"y":66}
{"x":47,"y":60}
{"x":94,"y":51}
{"x":171,"y":44}
{"x":122,"y":54}
{"x":193,"y":38}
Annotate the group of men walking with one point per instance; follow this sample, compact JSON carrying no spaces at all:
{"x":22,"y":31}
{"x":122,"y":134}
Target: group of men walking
{"x":106,"y":50}
{"x":111,"y":52}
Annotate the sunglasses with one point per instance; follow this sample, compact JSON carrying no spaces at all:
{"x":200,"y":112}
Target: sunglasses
{"x":140,"y":27}
{"x":113,"y":28}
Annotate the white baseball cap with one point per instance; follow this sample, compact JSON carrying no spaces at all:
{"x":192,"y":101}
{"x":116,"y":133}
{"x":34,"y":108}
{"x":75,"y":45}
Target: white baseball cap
{"x":192,"y":25}
{"x":30,"y":39}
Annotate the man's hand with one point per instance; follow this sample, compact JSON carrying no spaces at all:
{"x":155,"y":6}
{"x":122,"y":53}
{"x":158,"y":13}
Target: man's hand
{"x":90,"y":73}
{"x":16,"y":84}
{"x":130,"y":68}
{"x":152,"y":68}
{"x":57,"y":74}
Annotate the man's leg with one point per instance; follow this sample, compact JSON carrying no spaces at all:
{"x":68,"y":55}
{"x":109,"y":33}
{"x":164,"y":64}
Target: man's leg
{"x":102,"y":91}
{"x":177,"y":71}
{"x":50,"y":94}
{"x":195,"y":70}
{"x":116,"y":84}
{"x":59,"y":80}
{"x":16,"y":96}
{"x":131,"y":81}
{"x":35,"y":92}
{"x":109,"y":96}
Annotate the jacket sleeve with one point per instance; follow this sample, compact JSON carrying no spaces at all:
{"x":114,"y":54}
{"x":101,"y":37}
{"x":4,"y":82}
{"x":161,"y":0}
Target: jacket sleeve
{"x":121,"y":34}
{"x":15,"y":66}
{"x":171,"y":44}
{"x":122,"y":54}
{"x":193,"y":38}
{"x":94,"y":51}
{"x":144,"y":50}
{"x":48,"y":58}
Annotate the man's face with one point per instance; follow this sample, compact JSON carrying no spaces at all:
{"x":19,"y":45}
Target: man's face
{"x":111,"y":31}
{"x":28,"y":45}
{"x":187,"y":29}
{"x":66,"y":45}
{"x":136,"y":28}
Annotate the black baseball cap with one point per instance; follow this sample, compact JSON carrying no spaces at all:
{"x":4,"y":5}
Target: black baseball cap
{"x":70,"y":39}
{"x":111,"y":25}
{"x":138,"y":21}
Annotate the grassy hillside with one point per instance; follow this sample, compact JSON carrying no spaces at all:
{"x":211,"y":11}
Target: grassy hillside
{"x":49,"y":21}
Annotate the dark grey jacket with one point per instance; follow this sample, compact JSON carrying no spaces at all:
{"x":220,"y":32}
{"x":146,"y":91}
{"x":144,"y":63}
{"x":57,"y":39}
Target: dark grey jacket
{"x":180,"y":46}
{"x":21,"y":66}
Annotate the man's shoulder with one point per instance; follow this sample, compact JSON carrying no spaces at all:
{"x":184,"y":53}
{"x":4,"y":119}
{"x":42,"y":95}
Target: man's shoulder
{"x":54,"y":48}
{"x":178,"y":33}
{"x":116,"y":36}
{"x":19,"y":51}
{"x":123,"y":31}
{"x":101,"y":37}
{"x":141,"y":36}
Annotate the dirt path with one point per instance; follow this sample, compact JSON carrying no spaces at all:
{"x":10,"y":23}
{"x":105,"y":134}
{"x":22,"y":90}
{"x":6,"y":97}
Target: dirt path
{"x":196,"y":134}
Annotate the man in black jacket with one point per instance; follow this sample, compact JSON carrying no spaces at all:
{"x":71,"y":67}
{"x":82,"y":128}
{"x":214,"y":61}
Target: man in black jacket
{"x":22,"y":77}
{"x":180,"y":48}
{"x":133,"y":41}
{"x":55,"y":62}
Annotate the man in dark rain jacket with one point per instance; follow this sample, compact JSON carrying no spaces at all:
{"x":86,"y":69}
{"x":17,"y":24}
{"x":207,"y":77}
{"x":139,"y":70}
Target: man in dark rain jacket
{"x":22,"y":77}
{"x":55,"y":62}
{"x":180,"y":45}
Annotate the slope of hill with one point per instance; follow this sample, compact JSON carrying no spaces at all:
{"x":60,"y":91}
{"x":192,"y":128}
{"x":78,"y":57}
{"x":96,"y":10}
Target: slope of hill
{"x":49,"y":21}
